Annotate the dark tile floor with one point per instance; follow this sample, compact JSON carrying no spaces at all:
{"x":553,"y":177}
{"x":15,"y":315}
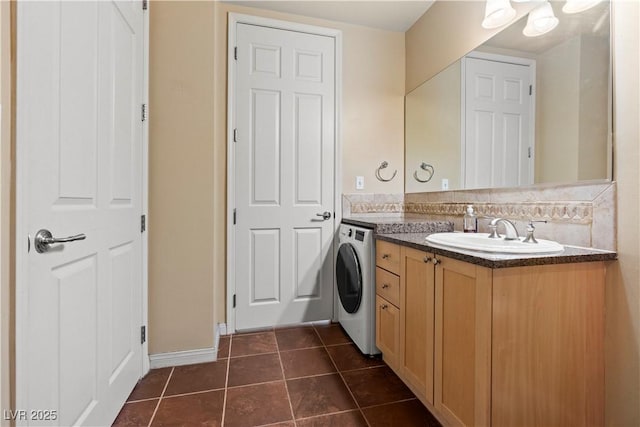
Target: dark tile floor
{"x":303,"y":376}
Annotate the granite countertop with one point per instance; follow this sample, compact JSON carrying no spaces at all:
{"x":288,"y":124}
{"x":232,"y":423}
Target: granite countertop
{"x":570,"y":254}
{"x":398,"y":224}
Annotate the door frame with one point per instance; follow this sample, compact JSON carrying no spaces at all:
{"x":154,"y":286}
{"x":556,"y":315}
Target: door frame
{"x":22,"y":229}
{"x":487,"y":56}
{"x":233,"y":21}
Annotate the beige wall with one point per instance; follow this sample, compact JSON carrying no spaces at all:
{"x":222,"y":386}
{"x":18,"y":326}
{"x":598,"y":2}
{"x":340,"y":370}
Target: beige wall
{"x":571,"y":111}
{"x":187,"y":213}
{"x":622,"y":371}
{"x":181,"y":176}
{"x":558,"y":113}
{"x":446,"y":32}
{"x":594,"y":99}
{"x":5,"y":208}
{"x":432,"y":133}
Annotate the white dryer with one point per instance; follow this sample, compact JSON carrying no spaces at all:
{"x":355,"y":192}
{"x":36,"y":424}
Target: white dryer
{"x":355,"y":282}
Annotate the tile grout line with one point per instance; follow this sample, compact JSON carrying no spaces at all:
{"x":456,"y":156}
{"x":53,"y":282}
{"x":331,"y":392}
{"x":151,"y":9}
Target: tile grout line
{"x":284,"y":379}
{"x":302,"y":348}
{"x":344,"y":411}
{"x":248,"y":334}
{"x":139,"y":400}
{"x":313,"y":376}
{"x":363,"y":369}
{"x":253,"y":354}
{"x":226,"y":382}
{"x":161,"y":396}
{"x":392,"y":403}
{"x":191,"y":393}
{"x":344,"y":382}
{"x":235,"y":387}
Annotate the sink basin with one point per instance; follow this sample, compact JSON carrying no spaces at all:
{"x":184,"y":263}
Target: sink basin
{"x":482,"y":242}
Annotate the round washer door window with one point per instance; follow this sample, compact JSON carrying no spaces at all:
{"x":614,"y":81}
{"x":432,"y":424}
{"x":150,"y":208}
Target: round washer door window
{"x":349,"y":278}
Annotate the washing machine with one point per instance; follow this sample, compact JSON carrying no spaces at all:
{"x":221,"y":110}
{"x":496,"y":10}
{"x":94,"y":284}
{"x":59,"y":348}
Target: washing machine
{"x":355,"y":282}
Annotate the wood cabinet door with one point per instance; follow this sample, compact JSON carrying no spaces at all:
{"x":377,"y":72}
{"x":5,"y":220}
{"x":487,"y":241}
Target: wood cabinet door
{"x":417,"y":320}
{"x":462,"y":385}
{"x":388,"y":331}
{"x":548,"y":345}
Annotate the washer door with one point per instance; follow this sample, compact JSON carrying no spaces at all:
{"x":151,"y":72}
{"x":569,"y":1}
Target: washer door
{"x":349,"y":278}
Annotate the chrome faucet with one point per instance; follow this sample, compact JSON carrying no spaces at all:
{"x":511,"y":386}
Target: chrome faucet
{"x":511,"y":232}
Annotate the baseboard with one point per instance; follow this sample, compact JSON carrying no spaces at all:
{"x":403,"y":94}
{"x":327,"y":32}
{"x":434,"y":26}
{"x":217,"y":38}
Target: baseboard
{"x":179,"y":358}
{"x":189,"y":357}
{"x":222,"y":329}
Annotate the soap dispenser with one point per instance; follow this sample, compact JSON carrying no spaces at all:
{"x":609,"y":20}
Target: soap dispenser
{"x":470,"y":222}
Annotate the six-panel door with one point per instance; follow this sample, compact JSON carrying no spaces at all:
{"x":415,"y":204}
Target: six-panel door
{"x":284,"y":176}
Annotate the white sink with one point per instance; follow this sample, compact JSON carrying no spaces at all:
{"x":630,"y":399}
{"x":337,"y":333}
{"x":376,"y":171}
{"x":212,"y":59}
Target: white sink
{"x":482,"y":242}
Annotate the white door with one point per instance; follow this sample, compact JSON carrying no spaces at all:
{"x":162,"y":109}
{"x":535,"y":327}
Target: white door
{"x":284,"y":176}
{"x":498,"y":131}
{"x":79,"y":139}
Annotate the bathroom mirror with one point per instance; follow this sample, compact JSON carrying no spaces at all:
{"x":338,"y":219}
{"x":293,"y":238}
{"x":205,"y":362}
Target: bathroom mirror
{"x":551,"y":124}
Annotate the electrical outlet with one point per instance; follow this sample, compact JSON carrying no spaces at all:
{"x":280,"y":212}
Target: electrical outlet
{"x":359,"y":182}
{"x":445,"y":184}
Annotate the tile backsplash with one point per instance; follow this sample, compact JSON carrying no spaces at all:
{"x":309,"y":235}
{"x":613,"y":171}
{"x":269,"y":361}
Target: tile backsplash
{"x":578,"y":214}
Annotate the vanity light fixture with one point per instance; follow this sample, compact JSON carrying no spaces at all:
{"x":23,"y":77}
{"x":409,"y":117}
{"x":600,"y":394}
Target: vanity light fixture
{"x":577,"y":6}
{"x":498,"y":13}
{"x":540,"y":21}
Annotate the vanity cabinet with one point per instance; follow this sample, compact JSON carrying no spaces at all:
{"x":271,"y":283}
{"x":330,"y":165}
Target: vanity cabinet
{"x":500,"y":347}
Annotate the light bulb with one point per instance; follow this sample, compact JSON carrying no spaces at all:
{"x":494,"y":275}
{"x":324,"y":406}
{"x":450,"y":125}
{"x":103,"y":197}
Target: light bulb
{"x":541,"y":20}
{"x":498,"y":13}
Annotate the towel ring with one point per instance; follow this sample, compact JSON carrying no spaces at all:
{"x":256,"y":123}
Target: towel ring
{"x":427,"y":168}
{"x":383,"y":165}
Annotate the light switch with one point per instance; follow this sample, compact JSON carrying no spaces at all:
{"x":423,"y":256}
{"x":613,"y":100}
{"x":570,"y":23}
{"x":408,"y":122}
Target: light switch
{"x":445,"y":184}
{"x":359,"y":182}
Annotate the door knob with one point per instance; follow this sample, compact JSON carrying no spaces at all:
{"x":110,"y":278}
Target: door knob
{"x":44,"y":239}
{"x":325,"y":215}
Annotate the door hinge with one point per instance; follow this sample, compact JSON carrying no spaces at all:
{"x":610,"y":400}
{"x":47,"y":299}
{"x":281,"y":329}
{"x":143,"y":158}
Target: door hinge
{"x":234,"y":217}
{"x":235,"y":53}
{"x":143,"y":334}
{"x":530,"y":89}
{"x":529,"y":152}
{"x":235,"y":135}
{"x":143,"y":223}
{"x":234,"y":300}
{"x":145,"y":4}
{"x":144,"y":112}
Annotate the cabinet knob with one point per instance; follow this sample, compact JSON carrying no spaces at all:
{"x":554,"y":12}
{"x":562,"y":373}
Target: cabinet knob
{"x":385,"y":286}
{"x":435,"y":261}
{"x":384,"y":306}
{"x":385,"y":256}
{"x":427,"y":259}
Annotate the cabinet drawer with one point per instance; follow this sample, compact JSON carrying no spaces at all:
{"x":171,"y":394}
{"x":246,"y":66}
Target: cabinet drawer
{"x":388,"y":256}
{"x":388,"y":286}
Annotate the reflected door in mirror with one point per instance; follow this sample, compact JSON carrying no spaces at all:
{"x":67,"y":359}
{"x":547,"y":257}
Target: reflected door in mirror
{"x":498,"y":113}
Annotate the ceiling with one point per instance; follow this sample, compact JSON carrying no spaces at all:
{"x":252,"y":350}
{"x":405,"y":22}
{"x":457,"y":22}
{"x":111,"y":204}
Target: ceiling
{"x":398,"y":15}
